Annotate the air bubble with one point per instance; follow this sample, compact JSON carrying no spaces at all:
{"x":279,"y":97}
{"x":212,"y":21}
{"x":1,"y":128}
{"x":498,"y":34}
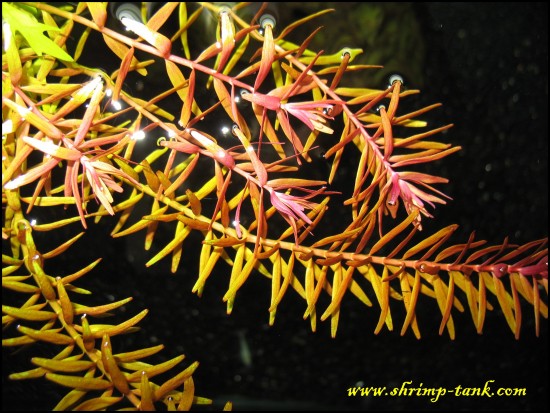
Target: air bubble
{"x":128,"y":11}
{"x":224,"y":10}
{"x":116,"y":105}
{"x":138,"y":135}
{"x":346,"y":51}
{"x":267,"y":20}
{"x":36,"y":258}
{"x":380,"y":108}
{"x":23,"y":225}
{"x":395,"y":78}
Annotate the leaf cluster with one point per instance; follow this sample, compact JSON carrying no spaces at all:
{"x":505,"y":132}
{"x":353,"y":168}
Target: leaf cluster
{"x":241,"y":123}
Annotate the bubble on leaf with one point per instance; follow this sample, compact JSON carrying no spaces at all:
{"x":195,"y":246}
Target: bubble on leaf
{"x":379,"y":107}
{"x":138,"y":135}
{"x":116,"y":105}
{"x":396,"y":77}
{"x":346,"y":51}
{"x":267,"y":20}
{"x":224,"y":10}
{"x":128,"y":11}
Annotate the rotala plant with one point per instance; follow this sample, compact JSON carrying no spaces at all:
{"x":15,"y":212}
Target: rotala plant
{"x":224,"y":151}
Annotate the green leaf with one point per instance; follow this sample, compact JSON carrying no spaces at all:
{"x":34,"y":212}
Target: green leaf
{"x":23,"y":22}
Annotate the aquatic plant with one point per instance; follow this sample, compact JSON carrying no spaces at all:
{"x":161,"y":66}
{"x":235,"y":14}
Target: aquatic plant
{"x":227,"y":150}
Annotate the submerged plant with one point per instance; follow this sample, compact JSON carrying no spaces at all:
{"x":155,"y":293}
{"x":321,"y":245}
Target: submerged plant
{"x":226,"y":149}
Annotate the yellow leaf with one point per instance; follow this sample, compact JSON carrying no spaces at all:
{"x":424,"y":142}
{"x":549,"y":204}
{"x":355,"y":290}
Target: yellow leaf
{"x":84,"y":383}
{"x":175,"y":382}
{"x":65,"y":366}
{"x":98,"y":403}
{"x":46,"y":335}
{"x":155,"y":370}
